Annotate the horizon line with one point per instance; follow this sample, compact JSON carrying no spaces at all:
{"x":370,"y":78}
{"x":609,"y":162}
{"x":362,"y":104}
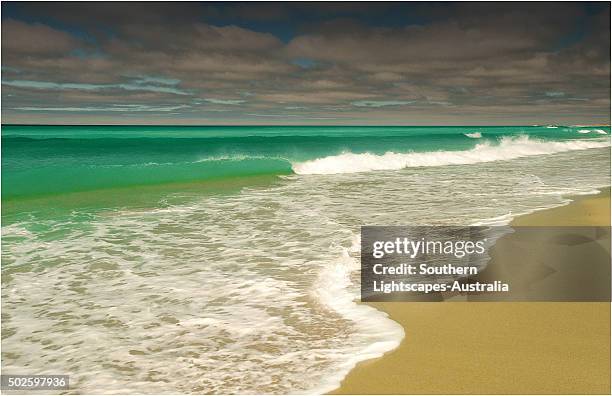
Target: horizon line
{"x":304,"y":125}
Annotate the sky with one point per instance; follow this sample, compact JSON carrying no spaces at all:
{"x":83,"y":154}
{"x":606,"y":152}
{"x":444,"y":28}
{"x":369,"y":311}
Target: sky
{"x":306,"y":63}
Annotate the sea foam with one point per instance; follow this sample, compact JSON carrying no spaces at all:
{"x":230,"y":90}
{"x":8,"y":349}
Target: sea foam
{"x":507,"y":149}
{"x":599,"y":131}
{"x":335,"y":290}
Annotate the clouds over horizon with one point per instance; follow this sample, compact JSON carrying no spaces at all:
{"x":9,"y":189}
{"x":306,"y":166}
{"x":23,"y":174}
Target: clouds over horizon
{"x":363,"y":63}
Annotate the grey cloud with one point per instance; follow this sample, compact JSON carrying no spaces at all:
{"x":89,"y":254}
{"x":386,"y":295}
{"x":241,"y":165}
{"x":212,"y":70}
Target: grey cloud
{"x":381,"y":103}
{"x":231,"y":102}
{"x":157,"y":80}
{"x":197,"y":36}
{"x":91,"y":87}
{"x":35,"y":39}
{"x":116,"y":108}
{"x":272,"y":115}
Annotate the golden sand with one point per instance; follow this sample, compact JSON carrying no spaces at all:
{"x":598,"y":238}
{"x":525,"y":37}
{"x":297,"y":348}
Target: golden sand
{"x":583,"y":210}
{"x":498,"y":347}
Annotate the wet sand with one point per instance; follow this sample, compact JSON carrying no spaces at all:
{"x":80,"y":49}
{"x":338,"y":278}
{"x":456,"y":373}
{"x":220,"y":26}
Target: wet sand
{"x":501,"y":347}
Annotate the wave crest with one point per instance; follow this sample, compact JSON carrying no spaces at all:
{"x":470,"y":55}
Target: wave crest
{"x":507,"y":149}
{"x":599,"y":131}
{"x":474,"y":135}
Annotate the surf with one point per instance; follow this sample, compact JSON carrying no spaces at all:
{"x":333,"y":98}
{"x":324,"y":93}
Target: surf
{"x":508,"y":148}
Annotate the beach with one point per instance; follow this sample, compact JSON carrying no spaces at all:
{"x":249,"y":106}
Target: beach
{"x":225,"y":259}
{"x":500,"y":347}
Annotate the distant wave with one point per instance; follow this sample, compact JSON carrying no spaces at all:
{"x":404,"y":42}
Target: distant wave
{"x":474,"y":135}
{"x":236,"y":157}
{"x":241,"y":157}
{"x":507,"y":149}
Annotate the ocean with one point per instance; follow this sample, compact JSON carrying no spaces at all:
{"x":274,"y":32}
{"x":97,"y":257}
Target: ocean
{"x":166,"y":259}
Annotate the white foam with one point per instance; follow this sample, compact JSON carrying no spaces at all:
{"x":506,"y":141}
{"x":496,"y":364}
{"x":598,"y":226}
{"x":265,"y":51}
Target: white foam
{"x":507,"y":149}
{"x":474,"y":135}
{"x":238,"y":157}
{"x":496,"y":220}
{"x":599,"y":131}
{"x":379,"y":334}
{"x":168,"y":290}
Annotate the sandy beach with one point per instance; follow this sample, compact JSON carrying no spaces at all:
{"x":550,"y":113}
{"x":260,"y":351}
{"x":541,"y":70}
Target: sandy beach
{"x":501,"y":347}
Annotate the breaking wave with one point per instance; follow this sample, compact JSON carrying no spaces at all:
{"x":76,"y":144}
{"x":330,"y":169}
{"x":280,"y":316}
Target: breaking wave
{"x":599,"y":131}
{"x":507,"y":149}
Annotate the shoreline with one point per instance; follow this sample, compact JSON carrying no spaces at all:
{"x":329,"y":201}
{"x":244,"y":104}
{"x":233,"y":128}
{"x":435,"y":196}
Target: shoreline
{"x":592,"y":209}
{"x":499,"y":347}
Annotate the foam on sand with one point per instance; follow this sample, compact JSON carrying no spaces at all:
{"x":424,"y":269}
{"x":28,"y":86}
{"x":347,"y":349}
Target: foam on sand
{"x":507,"y":149}
{"x":335,"y":290}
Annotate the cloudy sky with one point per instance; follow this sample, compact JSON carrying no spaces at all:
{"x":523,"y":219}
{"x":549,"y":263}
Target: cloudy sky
{"x":297,"y":63}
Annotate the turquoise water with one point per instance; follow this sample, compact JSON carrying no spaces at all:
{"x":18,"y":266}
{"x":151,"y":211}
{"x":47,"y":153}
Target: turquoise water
{"x":225,"y":259}
{"x":42,"y":160}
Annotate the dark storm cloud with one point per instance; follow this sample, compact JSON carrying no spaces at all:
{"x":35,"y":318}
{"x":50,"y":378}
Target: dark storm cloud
{"x":361,"y":63}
